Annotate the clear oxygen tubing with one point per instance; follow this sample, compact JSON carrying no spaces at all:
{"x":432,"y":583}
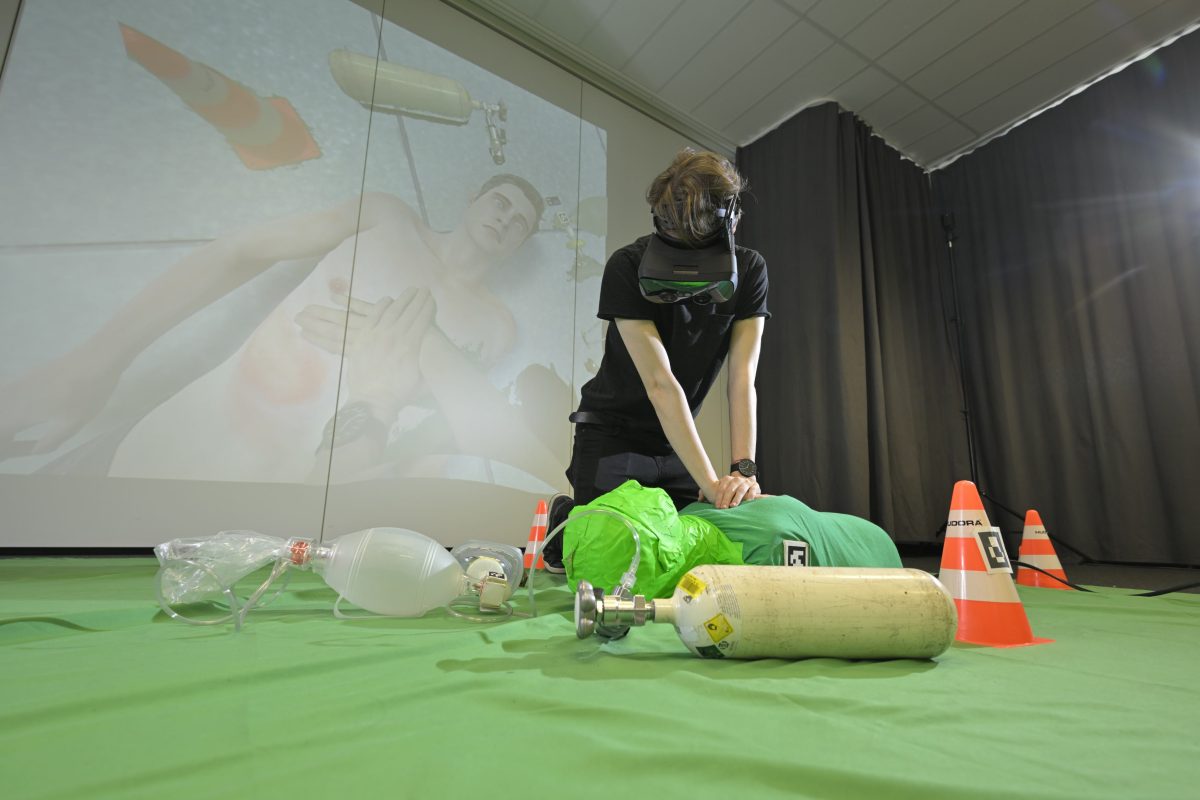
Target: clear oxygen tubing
{"x":279,"y":569}
{"x":236,"y":613}
{"x":625,"y":585}
{"x":502,"y":612}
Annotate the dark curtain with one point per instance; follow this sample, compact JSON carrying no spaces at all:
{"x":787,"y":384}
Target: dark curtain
{"x":859,"y":403}
{"x":1078,"y":263}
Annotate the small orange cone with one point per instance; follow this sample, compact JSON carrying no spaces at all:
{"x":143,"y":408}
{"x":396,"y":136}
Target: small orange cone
{"x":1038,"y":550}
{"x":537,"y":536}
{"x":265,"y":132}
{"x":976,"y":571}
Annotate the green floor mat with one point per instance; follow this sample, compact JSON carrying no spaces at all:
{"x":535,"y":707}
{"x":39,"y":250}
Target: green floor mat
{"x":106,"y":696}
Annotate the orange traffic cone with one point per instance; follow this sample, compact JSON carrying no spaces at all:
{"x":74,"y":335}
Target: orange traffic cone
{"x":1037,"y":550}
{"x":976,"y":571}
{"x":264,"y":132}
{"x":537,"y":537}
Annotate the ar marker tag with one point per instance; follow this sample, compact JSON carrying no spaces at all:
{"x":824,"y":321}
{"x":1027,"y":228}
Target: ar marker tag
{"x":992,"y":545}
{"x":795,"y":554}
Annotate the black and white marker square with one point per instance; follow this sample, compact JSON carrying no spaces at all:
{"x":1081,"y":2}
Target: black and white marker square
{"x":795,"y":554}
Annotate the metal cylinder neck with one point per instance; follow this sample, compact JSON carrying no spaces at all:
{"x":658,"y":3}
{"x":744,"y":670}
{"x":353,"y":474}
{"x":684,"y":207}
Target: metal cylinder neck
{"x":609,"y":617}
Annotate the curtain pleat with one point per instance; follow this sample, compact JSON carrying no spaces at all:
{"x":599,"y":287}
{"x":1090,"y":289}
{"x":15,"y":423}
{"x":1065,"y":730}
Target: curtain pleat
{"x":859,"y":408}
{"x":1079,"y":269}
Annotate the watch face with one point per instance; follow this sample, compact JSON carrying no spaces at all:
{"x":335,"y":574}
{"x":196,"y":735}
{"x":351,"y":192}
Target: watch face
{"x":747,"y":468}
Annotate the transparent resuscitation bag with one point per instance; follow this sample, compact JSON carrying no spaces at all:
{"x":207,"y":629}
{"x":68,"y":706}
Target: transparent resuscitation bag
{"x":386,"y":571}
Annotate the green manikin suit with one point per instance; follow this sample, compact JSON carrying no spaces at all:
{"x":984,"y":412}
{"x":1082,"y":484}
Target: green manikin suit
{"x":598,"y":547}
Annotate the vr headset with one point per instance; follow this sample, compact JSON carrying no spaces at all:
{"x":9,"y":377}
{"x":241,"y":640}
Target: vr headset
{"x":671,"y":272}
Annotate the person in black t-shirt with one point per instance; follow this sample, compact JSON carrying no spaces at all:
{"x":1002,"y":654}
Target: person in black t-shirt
{"x":636,"y":416}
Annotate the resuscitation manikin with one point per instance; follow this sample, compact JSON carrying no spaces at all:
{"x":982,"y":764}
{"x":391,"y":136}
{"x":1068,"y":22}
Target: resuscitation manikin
{"x":597,"y":549}
{"x":387,"y":571}
{"x":772,"y":530}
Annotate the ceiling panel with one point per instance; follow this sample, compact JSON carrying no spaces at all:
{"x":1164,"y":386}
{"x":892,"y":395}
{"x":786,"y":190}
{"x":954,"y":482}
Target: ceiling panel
{"x":1039,"y":53}
{"x":992,"y":43}
{"x":932,"y":77}
{"x":863,"y":89}
{"x":625,"y":28}
{"x":889,"y":26}
{"x":759,"y":24}
{"x":920,"y":123}
{"x":839,"y":17}
{"x":678,"y":40}
{"x":943,"y":32}
{"x":892,"y":107}
{"x":801,"y":5}
{"x":812,"y":84}
{"x":945,"y":140}
{"x":782,"y":59}
{"x":1076,"y":68}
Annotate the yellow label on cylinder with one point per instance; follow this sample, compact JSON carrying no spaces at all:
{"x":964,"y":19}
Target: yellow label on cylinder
{"x":691,"y":585}
{"x":718,"y":628}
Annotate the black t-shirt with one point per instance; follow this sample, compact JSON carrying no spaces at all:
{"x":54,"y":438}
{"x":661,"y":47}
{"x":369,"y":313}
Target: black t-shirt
{"x":696,"y":337}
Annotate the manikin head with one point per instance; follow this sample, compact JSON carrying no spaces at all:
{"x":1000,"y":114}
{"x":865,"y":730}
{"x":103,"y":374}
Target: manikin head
{"x":504,"y":213}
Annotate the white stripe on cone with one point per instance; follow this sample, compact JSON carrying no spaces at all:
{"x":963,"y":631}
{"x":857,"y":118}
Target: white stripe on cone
{"x":995,"y":587}
{"x":972,"y":585}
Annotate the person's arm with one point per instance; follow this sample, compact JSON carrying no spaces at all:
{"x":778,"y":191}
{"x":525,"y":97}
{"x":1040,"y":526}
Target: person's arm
{"x":744,"y":348}
{"x":645,"y":346}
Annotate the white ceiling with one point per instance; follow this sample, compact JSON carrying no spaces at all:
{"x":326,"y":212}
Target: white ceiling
{"x":934,"y":78}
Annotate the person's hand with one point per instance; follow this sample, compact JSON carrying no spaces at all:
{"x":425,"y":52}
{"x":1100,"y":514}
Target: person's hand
{"x":730,"y":490}
{"x":65,"y":393}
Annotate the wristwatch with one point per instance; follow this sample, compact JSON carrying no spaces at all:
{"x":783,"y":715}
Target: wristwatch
{"x":353,"y":421}
{"x":745,"y":467}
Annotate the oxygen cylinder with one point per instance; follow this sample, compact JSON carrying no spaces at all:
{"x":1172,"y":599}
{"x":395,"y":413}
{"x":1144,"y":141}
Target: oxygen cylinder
{"x":790,"y":612}
{"x":395,"y":88}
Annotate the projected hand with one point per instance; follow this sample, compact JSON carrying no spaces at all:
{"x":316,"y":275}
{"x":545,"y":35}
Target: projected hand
{"x":383,"y":340}
{"x":338,"y":327}
{"x":59,"y":397}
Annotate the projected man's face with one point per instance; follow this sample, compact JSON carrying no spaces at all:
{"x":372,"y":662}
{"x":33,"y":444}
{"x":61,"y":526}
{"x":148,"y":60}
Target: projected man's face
{"x":500,"y":219}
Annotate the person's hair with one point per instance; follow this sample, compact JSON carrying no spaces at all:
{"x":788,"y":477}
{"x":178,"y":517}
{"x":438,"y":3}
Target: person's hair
{"x":531,"y":194}
{"x":685,"y":196}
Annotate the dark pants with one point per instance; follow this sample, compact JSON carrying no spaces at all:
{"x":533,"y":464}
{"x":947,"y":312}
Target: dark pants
{"x":604,"y":457}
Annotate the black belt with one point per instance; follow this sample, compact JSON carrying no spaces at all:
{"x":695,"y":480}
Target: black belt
{"x":616,"y":427}
{"x":588,"y":418}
